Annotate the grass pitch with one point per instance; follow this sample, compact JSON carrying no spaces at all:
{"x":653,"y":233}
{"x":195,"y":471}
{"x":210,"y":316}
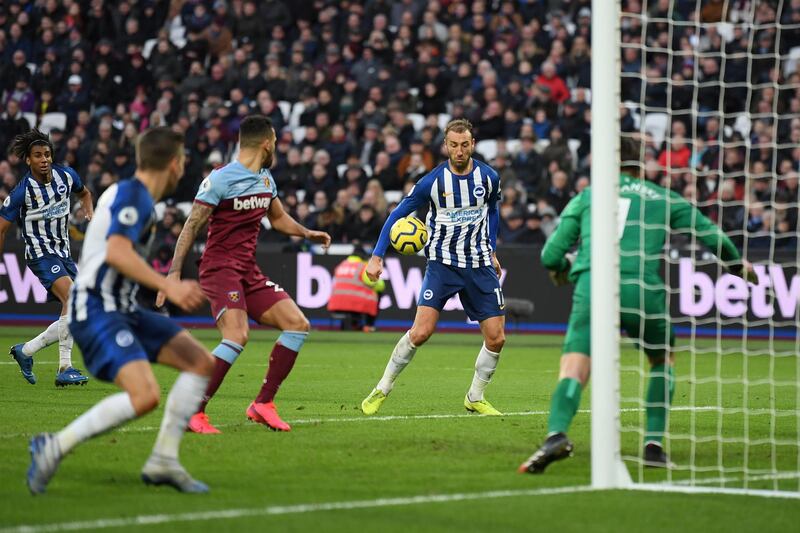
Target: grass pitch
{"x":421,"y":464}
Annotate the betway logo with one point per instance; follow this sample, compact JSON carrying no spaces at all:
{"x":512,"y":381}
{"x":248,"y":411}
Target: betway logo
{"x":733,"y":296}
{"x":24,"y":284}
{"x":254,"y":202}
{"x":314,"y":284}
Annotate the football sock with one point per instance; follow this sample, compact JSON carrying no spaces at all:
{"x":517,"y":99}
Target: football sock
{"x":105,"y":415}
{"x":225,"y":354}
{"x":182,"y":402}
{"x":401,"y":355}
{"x":564,"y":405}
{"x":64,"y":343}
{"x":485,"y":366}
{"x":660,"y":390}
{"x":281,"y":361}
{"x":42,"y":340}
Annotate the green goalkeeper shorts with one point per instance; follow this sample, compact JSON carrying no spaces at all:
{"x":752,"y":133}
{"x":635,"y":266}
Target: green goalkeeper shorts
{"x":644,"y":317}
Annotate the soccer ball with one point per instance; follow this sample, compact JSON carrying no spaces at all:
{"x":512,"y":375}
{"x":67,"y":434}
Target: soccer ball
{"x":408,"y":235}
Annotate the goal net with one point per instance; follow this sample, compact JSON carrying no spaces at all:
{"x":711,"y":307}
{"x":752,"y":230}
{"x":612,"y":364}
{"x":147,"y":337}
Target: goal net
{"x":712,"y":88}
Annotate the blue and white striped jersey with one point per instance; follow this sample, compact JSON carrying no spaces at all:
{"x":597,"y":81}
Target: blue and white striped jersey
{"x":463,"y":217}
{"x":126,"y":209}
{"x":42,"y":211}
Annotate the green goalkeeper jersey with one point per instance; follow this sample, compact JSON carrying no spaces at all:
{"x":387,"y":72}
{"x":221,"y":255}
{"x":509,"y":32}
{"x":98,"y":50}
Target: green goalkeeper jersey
{"x":649,"y":211}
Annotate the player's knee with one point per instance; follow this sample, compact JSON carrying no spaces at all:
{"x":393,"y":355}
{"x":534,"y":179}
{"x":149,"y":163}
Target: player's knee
{"x":204,"y":364}
{"x":145,"y":400}
{"x":418,"y":335}
{"x":298,"y":322}
{"x":240,"y":336}
{"x":495,"y":342}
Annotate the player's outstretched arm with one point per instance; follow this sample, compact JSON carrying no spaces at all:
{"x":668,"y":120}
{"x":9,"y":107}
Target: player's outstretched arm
{"x":4,"y":226}
{"x":684,"y":216}
{"x":283,"y":222}
{"x":197,"y":219}
{"x":121,"y":256}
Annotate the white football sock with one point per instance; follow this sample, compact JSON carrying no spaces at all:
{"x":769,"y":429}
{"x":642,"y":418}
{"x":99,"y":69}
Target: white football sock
{"x":401,"y":356}
{"x":182,"y":403}
{"x":105,"y":415}
{"x":64,"y":344}
{"x":42,"y":340}
{"x":485,"y":366}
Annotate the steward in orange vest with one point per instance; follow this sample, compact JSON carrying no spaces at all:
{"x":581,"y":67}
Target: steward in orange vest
{"x":354,"y":293}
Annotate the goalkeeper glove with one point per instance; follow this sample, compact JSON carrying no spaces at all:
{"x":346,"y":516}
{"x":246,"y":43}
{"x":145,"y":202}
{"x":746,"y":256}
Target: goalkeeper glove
{"x":562,"y":277}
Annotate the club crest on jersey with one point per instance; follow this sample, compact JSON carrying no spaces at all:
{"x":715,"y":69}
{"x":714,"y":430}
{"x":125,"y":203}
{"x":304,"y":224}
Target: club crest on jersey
{"x":233,"y":296}
{"x":254,"y":202}
{"x":7,"y":201}
{"x":55,"y":269}
{"x":205,"y":185}
{"x":479,"y":191}
{"x":428,"y":294}
{"x":61,"y":189}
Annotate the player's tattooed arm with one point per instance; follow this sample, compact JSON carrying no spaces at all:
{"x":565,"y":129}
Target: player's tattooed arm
{"x":197,"y":219}
{"x":283,"y":222}
{"x":191,"y":228}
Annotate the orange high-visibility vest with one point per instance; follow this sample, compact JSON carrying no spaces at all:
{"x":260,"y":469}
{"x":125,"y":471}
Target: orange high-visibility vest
{"x":349,"y":293}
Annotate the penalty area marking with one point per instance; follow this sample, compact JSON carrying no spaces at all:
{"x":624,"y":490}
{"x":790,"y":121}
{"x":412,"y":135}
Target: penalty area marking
{"x":277,"y":510}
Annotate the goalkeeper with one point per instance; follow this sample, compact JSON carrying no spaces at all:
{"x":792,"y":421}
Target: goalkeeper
{"x":648,"y":211}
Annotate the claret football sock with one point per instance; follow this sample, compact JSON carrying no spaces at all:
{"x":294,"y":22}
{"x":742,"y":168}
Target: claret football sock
{"x":564,"y":405}
{"x":402,"y":354}
{"x":281,"y":362}
{"x":225,"y":354}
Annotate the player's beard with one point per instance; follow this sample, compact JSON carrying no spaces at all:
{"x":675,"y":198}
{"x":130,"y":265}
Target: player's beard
{"x":266,"y":162}
{"x":460,"y":166}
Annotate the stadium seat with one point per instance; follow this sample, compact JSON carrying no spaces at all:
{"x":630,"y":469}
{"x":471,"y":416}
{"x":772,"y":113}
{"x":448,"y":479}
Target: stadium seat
{"x":541,"y":144}
{"x":417,"y":120}
{"x":297,"y":110}
{"x":31,"y":118}
{"x":487,"y":148}
{"x":656,"y":125}
{"x":298,"y":134}
{"x":513,"y":146}
{"x":53,"y":120}
{"x":444,"y":118}
{"x":149,"y":44}
{"x":393,"y":196}
{"x":574,"y":144}
{"x":792,"y":63}
{"x":286,"y":109}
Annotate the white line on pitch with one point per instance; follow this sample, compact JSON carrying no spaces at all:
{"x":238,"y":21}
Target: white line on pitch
{"x":388,"y":418}
{"x":228,"y":514}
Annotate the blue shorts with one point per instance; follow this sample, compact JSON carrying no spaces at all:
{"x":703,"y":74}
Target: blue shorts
{"x":110,"y":340}
{"x":49,"y":268}
{"x":478,"y":288}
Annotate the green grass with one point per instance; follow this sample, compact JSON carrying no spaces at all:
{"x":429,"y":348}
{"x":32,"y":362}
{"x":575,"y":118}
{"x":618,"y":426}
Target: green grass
{"x":335,"y":454}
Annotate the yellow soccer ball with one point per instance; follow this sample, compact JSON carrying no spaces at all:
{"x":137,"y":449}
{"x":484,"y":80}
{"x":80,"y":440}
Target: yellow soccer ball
{"x":408,"y":235}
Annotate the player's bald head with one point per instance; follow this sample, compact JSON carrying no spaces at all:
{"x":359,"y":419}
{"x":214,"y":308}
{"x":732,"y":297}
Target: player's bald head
{"x":157,"y":147}
{"x":254,"y":130}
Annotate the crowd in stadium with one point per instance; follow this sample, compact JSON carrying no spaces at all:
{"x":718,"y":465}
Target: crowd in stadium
{"x":359,"y":92}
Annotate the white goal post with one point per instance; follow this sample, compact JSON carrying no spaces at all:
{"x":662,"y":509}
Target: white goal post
{"x":734,"y":426}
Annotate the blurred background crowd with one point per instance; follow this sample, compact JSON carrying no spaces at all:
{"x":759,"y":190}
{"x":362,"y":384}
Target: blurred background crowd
{"x":360,"y":92}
